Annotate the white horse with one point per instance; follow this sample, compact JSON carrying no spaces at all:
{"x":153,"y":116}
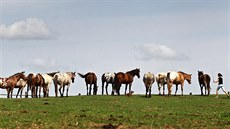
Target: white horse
{"x":21,"y":84}
{"x":107,"y":78}
{"x":63,"y":79}
{"x":48,"y":78}
{"x":161,"y":79}
{"x":148,"y":80}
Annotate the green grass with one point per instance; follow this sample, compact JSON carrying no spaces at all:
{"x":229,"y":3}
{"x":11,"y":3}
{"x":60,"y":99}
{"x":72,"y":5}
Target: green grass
{"x":127,"y":112}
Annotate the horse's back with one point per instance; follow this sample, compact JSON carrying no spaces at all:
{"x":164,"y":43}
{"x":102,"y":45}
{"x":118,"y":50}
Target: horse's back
{"x":91,"y":78}
{"x":148,"y":78}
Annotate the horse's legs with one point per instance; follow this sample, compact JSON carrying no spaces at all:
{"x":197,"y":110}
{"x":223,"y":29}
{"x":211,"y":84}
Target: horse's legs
{"x":63,"y":90}
{"x":18,"y":92}
{"x":40,"y":87}
{"x":150,"y":91}
{"x":182,"y":89}
{"x":163,"y":89}
{"x":159,"y":88}
{"x":201,"y":89}
{"x":106,"y":88}
{"x":126,"y":85}
{"x":87,"y":88}
{"x":67,"y":91}
{"x":102,"y":92}
{"x":60,"y":90}
{"x":169,"y":88}
{"x":90,"y":88}
{"x":130,"y":86}
{"x":176,"y":89}
{"x":146,"y":88}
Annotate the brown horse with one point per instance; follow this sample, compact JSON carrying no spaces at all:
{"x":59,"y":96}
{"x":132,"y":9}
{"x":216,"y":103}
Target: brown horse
{"x":125,"y":78}
{"x":177,"y":78}
{"x":90,"y":79}
{"x":34,"y":82}
{"x":11,"y":82}
{"x":204,"y":81}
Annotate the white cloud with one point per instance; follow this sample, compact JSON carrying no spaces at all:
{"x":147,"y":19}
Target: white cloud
{"x":158,"y":52}
{"x":41,"y":64}
{"x":31,"y":28}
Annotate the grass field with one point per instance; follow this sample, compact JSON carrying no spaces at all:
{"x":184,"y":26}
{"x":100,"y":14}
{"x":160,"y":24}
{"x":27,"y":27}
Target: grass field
{"x":116,"y":111}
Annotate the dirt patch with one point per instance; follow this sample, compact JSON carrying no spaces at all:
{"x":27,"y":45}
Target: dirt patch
{"x":23,"y":111}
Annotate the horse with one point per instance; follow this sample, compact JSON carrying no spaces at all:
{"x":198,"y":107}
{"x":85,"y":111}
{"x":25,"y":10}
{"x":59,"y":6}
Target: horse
{"x":125,"y":78}
{"x":177,"y":78}
{"x":10,"y":83}
{"x":107,"y":78}
{"x":63,"y":79}
{"x":35,"y":81}
{"x":161,"y":81}
{"x":148,"y":80}
{"x":48,"y":78}
{"x":90,"y":79}
{"x":21,"y":84}
{"x":204,"y":81}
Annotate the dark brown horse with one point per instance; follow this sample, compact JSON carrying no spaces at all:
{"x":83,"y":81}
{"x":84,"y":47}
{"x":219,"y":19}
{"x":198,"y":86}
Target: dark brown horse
{"x":34,"y":82}
{"x":204,"y":82}
{"x":90,"y":79}
{"x":11,"y":82}
{"x":125,"y":78}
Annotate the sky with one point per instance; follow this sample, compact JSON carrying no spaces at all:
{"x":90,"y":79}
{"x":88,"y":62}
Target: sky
{"x":40,"y":36}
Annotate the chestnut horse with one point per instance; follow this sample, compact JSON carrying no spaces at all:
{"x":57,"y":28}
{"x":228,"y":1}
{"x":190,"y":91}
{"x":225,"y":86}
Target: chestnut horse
{"x":107,"y":78}
{"x":125,"y":78}
{"x":35,"y":81}
{"x":177,"y":78}
{"x":63,"y":79}
{"x":204,"y":81}
{"x":90,"y":79}
{"x":148,"y":80}
{"x":10,"y":83}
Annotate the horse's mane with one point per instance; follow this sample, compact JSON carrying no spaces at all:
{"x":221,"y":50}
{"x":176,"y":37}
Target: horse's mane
{"x":17,"y":74}
{"x":131,"y":71}
{"x":182,"y":72}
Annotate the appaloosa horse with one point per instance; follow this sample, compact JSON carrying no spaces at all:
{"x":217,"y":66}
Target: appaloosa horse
{"x":161,"y":79}
{"x":125,"y":78}
{"x":148,"y":80}
{"x":63,"y":79}
{"x":177,"y":78}
{"x":204,"y":81}
{"x":90,"y":79}
{"x":107,"y":78}
{"x":10,"y":83}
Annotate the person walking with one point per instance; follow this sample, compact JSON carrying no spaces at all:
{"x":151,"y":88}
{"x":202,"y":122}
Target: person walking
{"x":220,"y":85}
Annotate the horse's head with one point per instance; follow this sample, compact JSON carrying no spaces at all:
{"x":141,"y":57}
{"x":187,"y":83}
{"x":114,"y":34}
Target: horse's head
{"x":189,"y":78}
{"x":72,"y":76}
{"x":200,"y":73}
{"x":137,"y":72}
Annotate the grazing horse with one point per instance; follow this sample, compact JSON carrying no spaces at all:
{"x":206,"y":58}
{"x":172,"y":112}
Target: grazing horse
{"x":35,"y":81}
{"x":107,"y":78}
{"x":161,"y":81}
{"x":125,"y":78}
{"x":48,"y":78}
{"x":177,"y":78}
{"x":11,"y":82}
{"x":148,"y":80}
{"x":204,"y":81}
{"x":63,"y":79}
{"x":90,"y":79}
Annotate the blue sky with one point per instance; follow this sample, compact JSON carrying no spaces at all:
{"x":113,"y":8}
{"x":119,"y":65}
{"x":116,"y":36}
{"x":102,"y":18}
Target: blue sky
{"x":112,"y":36}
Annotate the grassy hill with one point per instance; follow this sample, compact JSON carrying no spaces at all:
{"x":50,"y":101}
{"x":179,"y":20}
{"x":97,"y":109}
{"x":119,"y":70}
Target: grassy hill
{"x":116,"y":111}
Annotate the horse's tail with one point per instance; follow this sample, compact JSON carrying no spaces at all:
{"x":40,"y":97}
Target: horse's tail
{"x":81,"y":75}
